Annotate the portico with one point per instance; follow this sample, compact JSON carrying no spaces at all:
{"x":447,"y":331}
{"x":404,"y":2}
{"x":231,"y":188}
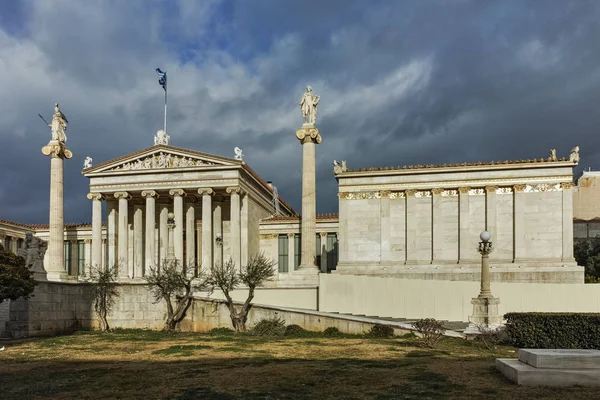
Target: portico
{"x":217,"y":201}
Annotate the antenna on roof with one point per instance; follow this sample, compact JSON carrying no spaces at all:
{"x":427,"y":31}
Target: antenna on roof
{"x":40,"y":115}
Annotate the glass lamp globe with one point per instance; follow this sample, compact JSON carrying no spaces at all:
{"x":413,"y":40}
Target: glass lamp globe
{"x":485,"y":236}
{"x":171,"y":216}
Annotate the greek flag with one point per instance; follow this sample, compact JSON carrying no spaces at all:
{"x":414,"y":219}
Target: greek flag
{"x":162,"y":78}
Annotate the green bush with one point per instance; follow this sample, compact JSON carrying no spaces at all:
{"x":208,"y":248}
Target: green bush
{"x":221,"y":331}
{"x":553,"y":330}
{"x":269,"y":327}
{"x":381,"y":331}
{"x":431,"y":331}
{"x":295,"y":330}
{"x":332,"y":331}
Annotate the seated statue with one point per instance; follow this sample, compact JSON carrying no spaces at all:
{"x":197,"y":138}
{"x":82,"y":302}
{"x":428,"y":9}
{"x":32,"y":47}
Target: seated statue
{"x":33,"y":252}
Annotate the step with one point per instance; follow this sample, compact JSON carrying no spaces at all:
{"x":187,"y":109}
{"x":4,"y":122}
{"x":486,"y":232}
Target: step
{"x":526,"y":375}
{"x":561,"y":358}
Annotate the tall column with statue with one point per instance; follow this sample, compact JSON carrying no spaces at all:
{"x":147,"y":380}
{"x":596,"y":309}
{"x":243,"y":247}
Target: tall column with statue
{"x":309,"y":137}
{"x":57,"y":150}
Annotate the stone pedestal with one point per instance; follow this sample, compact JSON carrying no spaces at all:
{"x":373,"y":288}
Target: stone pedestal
{"x":56,"y":256}
{"x":485,"y":314}
{"x":309,"y":137}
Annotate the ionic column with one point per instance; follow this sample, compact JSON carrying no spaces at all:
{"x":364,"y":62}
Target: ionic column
{"x":218,"y":229}
{"x":309,"y":137}
{"x":567,"y":221}
{"x":384,"y":230}
{"x":178,"y":195}
{"x":163,"y":231}
{"x":87,"y":248}
{"x":150,"y":196}
{"x":291,"y":252}
{"x":74,"y":258}
{"x":235,"y":226}
{"x":190,"y":236}
{"x":245,"y":248}
{"x":96,"y":229}
{"x":207,"y":239}
{"x":411,"y":227}
{"x":463,"y":224}
{"x":323,"y":251}
{"x":123,"y":262}
{"x":138,"y":241}
{"x":491,"y":210}
{"x":112,"y":234}
{"x":437,"y":233}
{"x":519,"y":245}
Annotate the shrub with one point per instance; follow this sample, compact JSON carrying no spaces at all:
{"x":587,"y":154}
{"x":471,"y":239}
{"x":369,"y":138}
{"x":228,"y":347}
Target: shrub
{"x":332,"y":331}
{"x":269,"y":327}
{"x":431,"y":331}
{"x":221,"y":331}
{"x":553,"y":330}
{"x":381,"y":331}
{"x":295,"y":330}
{"x":490,"y":338}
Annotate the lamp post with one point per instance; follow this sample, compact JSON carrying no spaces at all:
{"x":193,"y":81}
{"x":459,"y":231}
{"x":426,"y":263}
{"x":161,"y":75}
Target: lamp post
{"x":171,"y":247}
{"x":485,"y":306}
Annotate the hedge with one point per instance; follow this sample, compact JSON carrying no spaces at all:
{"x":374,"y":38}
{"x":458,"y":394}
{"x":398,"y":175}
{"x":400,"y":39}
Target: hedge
{"x":553,"y":330}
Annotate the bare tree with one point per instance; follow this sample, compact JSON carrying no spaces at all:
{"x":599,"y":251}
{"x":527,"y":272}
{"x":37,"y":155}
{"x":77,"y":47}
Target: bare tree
{"x":171,"y":283}
{"x":227,"y":278}
{"x":103,"y":290}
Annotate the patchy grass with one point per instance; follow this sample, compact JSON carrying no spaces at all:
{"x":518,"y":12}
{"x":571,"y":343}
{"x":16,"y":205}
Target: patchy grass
{"x":139,"y":364}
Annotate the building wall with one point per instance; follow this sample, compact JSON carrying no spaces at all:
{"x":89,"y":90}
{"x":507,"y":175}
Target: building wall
{"x":586,"y":196}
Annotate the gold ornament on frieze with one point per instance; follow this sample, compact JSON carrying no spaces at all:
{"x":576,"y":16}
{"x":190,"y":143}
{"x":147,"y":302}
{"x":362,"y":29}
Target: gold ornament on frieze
{"x":437,"y":191}
{"x":567,"y":185}
{"x":464,"y":190}
{"x":397,"y":195}
{"x":504,"y":190}
{"x":450,"y":193}
{"x":477,"y":192}
{"x":423,"y":193}
{"x":410,"y":192}
{"x":519,"y":188}
{"x":491,"y":189}
{"x":269,"y":236}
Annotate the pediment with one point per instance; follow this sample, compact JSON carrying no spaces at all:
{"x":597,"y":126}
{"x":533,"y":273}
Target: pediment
{"x":162,"y":157}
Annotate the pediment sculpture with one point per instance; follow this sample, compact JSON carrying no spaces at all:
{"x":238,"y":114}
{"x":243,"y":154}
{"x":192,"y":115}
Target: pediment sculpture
{"x":162,"y":160}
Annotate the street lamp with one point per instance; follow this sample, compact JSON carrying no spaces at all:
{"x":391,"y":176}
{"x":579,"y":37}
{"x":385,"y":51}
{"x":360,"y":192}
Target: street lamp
{"x":485,"y":248}
{"x":171,"y":226}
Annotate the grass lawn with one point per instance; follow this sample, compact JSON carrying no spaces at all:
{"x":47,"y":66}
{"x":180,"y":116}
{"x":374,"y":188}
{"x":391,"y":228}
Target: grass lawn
{"x":154,"y":365}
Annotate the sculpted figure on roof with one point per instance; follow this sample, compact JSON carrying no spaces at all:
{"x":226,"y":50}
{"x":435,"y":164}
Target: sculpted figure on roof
{"x":58,"y":125}
{"x":308,"y":106}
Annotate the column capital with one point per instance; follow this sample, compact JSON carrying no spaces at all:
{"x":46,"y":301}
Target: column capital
{"x":122,"y":195}
{"x":566,"y":185}
{"x":464,"y":190}
{"x":410,"y":192}
{"x":56,"y":149}
{"x":73,"y":241}
{"x":323,"y":234}
{"x":150,"y":193}
{"x":94,"y":196}
{"x":177,"y":192}
{"x":308,"y":134}
{"x":87,"y":241}
{"x":235,"y":189}
{"x":207,"y":191}
{"x":290,"y":235}
{"x":519,"y":188}
{"x":437,"y":191}
{"x":491,"y":189}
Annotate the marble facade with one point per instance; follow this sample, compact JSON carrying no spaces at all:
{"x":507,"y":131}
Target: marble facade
{"x":424,"y":222}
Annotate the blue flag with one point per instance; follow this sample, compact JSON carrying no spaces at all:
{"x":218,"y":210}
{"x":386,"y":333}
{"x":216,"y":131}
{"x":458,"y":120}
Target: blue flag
{"x":162,"y":78}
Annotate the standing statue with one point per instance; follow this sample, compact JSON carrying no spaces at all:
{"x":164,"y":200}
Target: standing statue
{"x":239,"y":155}
{"x":87,"y":163}
{"x":59,"y":125}
{"x":552,"y":155}
{"x":337,"y":168}
{"x":33,"y":252}
{"x":308,"y":106}
{"x":276,"y":201}
{"x":161,"y":137}
{"x":574,"y":157}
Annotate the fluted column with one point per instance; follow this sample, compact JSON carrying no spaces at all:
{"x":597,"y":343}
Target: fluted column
{"x":138,"y":241}
{"x":74,"y":258}
{"x":218,"y":229}
{"x":87,"y":248}
{"x":178,"y":195}
{"x":235,"y":226}
{"x":150,"y":196}
{"x":309,"y":137}
{"x":96,"y":229}
{"x":190,"y":236}
{"x":112,"y":234}
{"x":207,"y":239}
{"x":57,"y":150}
{"x":163,"y":231}
{"x":123,"y":262}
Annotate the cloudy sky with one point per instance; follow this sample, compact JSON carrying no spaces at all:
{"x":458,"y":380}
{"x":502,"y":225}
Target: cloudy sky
{"x":401,"y":82}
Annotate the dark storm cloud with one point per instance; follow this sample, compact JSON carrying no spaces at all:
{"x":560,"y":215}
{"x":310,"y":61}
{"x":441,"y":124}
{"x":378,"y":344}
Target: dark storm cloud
{"x":402,"y":82}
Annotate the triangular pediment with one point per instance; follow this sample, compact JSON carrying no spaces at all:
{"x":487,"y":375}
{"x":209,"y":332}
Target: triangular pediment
{"x":162,"y":157}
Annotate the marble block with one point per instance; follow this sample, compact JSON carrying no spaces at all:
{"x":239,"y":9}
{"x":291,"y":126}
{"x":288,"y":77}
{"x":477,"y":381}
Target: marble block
{"x":561,"y":358}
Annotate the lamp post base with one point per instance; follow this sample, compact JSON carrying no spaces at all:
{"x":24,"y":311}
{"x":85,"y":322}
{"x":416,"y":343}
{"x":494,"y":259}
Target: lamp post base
{"x":485,"y":315}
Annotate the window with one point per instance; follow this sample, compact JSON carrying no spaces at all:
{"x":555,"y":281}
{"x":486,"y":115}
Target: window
{"x":67,"y":246}
{"x":319,"y":250}
{"x":297,"y":250}
{"x":81,"y":255}
{"x":580,"y":229}
{"x":282,"y":259}
{"x":332,"y":251}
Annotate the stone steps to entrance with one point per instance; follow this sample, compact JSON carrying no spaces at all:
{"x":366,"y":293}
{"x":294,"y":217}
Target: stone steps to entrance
{"x":552,"y":367}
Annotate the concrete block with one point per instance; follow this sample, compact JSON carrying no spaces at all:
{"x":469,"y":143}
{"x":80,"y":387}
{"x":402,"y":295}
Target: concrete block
{"x":561,"y":358}
{"x":526,"y":375}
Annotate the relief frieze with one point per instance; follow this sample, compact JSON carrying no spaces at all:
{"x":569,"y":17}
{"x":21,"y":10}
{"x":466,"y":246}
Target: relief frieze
{"x":161,"y":160}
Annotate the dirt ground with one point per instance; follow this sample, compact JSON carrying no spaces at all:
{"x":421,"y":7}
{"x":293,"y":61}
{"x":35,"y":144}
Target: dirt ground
{"x":156,"y":365}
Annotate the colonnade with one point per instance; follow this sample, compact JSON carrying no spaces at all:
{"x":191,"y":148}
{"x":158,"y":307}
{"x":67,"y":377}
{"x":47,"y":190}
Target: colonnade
{"x":150,"y":239}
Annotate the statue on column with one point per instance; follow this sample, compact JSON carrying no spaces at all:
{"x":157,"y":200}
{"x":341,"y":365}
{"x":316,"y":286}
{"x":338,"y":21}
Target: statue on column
{"x":308,"y":106}
{"x":33,"y":251}
{"x":59,"y":125}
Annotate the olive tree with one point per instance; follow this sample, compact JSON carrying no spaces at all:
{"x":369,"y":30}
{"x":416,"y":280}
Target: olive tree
{"x":103,"y":291}
{"x":171,"y":283}
{"x":226,"y":277}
